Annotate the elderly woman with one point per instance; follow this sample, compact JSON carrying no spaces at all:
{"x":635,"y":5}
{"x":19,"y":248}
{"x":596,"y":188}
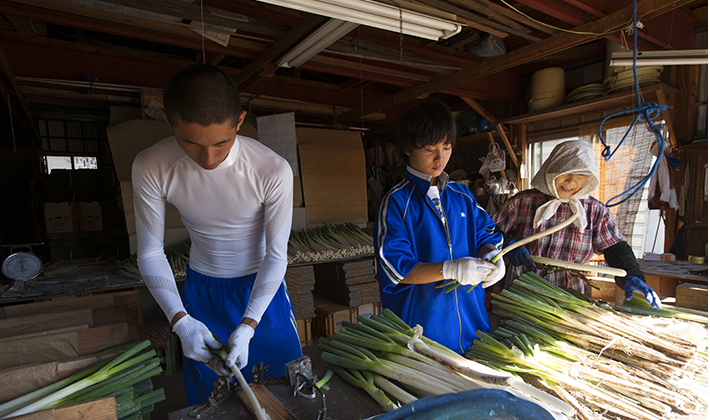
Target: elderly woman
{"x":561,"y":188}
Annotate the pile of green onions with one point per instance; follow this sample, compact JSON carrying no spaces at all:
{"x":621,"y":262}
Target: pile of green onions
{"x":329,"y":242}
{"x":126,"y":376}
{"x":597,"y":360}
{"x":396,"y":364}
{"x":178,"y":258}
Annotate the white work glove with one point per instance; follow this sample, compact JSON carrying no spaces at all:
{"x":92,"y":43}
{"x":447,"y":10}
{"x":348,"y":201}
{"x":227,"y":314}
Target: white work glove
{"x":238,"y":346}
{"x":498,"y":273}
{"x":467,"y":270}
{"x":195,"y":338}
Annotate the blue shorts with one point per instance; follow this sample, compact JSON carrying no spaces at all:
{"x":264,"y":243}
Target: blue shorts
{"x":220,"y":303}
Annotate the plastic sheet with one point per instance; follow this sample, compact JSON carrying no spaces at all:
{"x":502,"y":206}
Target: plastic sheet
{"x":491,"y":404}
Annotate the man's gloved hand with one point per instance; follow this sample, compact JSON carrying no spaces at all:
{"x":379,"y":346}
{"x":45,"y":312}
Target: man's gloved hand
{"x":498,"y":273}
{"x":195,"y":338}
{"x":520,"y":256}
{"x":467,"y":270}
{"x":632,"y":283}
{"x":238,"y":346}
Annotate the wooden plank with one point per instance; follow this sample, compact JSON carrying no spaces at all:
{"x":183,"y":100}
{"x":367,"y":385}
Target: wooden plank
{"x":268,"y":401}
{"x":43,"y":322}
{"x":100,"y":409}
{"x":661,"y":98}
{"x":603,"y":103}
{"x":508,"y":146}
{"x":61,"y":330}
{"x":59,"y":305}
{"x":99,"y":338}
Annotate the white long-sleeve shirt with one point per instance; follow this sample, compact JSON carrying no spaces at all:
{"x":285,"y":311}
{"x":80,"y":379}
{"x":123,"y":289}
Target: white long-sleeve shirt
{"x":238,"y":216}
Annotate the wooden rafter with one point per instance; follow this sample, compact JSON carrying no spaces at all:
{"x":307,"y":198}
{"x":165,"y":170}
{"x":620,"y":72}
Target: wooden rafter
{"x":554,"y":44}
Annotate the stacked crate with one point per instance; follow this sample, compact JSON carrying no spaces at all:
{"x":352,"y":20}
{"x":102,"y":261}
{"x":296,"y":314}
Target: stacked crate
{"x":300,"y":281}
{"x":344,"y":290}
{"x":351,"y":283}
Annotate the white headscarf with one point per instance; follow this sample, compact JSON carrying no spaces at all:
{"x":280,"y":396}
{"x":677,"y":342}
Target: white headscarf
{"x":570,"y":157}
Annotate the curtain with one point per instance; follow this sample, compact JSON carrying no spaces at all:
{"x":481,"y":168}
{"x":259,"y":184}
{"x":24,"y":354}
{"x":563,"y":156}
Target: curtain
{"x":629,"y":164}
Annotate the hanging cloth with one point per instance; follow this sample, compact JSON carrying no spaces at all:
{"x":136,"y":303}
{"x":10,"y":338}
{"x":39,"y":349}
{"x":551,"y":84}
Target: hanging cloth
{"x":662,"y":193}
{"x":570,"y":157}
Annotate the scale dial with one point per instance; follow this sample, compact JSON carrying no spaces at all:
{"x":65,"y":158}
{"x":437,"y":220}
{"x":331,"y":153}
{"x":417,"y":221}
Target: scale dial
{"x":22,"y":265}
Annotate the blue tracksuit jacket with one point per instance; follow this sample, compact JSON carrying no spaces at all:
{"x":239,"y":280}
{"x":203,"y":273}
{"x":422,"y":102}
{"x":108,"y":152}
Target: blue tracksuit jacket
{"x":408,"y":231}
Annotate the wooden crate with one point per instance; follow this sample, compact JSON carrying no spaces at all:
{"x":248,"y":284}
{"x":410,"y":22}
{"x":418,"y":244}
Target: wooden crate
{"x":329,"y":318}
{"x":304,"y":331}
{"x":692,"y":295}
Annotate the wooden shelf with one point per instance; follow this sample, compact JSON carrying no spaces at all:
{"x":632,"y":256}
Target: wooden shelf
{"x":610,"y":102}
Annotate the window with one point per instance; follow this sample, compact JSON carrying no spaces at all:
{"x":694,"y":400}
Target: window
{"x":69,"y":145}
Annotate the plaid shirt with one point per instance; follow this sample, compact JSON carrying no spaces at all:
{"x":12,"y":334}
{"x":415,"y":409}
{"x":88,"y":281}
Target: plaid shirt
{"x":515,"y":218}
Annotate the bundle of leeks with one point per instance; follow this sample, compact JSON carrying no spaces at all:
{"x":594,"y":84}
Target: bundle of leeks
{"x":396,"y":365}
{"x":329,"y":242}
{"x":178,"y":258}
{"x":126,"y":376}
{"x":600,"y":361}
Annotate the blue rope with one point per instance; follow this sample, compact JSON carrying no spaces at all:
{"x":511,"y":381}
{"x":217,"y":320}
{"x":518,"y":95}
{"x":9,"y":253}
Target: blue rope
{"x":647,"y":111}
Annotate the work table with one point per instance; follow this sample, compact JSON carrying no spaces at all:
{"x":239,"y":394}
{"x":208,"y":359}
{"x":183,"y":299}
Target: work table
{"x":343,"y":401}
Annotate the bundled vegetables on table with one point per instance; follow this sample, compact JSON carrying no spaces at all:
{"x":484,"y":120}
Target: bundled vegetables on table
{"x":396,"y":365}
{"x":126,"y":376}
{"x":329,"y":242}
{"x":603,"y":362}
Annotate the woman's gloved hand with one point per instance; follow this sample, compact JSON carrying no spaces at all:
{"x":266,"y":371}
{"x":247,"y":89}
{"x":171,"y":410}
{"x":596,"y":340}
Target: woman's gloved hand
{"x":632,"y":283}
{"x":520,"y":256}
{"x":238,"y":346}
{"x":196,"y":338}
{"x":468,"y":271}
{"x":498,"y":273}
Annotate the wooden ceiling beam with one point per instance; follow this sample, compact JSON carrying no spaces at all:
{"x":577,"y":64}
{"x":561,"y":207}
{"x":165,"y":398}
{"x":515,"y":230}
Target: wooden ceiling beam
{"x":516,"y":16}
{"x":278,"y":48}
{"x":491,"y":14}
{"x":22,"y":25}
{"x":554,"y":44}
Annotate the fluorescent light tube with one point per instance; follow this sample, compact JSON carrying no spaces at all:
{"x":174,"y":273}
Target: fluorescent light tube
{"x":378,"y":15}
{"x":319,"y":40}
{"x":659,"y":58}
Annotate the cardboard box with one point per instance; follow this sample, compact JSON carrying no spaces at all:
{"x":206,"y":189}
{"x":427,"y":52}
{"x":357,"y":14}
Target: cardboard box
{"x":304,"y":331}
{"x":60,"y":217}
{"x":369,"y":309}
{"x":90,"y":218}
{"x":333,"y":175}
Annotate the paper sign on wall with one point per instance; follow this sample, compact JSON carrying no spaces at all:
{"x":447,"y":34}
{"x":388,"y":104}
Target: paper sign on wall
{"x":278,"y":133}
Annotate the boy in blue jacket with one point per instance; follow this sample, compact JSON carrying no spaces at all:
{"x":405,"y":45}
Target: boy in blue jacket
{"x":429,"y":230}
